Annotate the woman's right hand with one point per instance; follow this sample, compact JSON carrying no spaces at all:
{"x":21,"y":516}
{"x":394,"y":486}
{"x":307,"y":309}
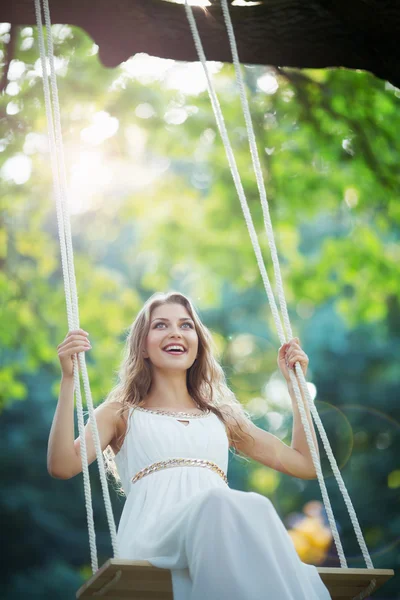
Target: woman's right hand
{"x":75,"y":341}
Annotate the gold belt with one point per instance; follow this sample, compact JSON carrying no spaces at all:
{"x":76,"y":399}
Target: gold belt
{"x":179,"y":462}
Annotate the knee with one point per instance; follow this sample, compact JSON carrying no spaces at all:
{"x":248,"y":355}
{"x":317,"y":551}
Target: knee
{"x":262,"y":504}
{"x":220,"y":497}
{"x":214,"y":503}
{"x":211,"y":503}
{"x":217,"y":497}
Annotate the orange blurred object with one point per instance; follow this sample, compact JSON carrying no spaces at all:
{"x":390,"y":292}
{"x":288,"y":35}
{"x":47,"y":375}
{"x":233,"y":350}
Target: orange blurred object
{"x":310,"y":536}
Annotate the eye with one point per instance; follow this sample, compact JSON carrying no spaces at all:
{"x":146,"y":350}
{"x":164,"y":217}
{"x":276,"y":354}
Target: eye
{"x":186,"y":323}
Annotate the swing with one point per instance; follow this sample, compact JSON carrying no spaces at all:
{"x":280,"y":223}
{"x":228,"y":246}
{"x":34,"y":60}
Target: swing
{"x":121,"y":579}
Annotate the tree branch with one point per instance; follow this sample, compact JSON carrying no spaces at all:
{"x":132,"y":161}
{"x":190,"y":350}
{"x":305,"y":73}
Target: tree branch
{"x":361,"y":34}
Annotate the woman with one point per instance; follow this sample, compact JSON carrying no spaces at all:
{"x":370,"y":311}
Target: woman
{"x":171,"y":408}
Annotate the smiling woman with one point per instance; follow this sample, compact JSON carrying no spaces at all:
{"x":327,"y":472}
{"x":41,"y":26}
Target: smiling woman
{"x":154,"y":374}
{"x":166,"y":430}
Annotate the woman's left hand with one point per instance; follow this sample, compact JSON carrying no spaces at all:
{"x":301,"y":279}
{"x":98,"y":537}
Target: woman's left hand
{"x":288,"y":355}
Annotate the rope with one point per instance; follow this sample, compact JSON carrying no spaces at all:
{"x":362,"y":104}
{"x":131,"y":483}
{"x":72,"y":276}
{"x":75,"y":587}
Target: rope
{"x":64,"y":232}
{"x":70,"y":282}
{"x":268,"y":225}
{"x":281,"y":295}
{"x":270,"y":235}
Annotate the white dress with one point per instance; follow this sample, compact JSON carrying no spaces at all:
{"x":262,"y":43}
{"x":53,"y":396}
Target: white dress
{"x":218,"y":542}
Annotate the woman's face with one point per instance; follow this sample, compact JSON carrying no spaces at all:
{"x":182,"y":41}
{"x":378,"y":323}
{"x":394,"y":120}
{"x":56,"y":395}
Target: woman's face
{"x":171,"y":325}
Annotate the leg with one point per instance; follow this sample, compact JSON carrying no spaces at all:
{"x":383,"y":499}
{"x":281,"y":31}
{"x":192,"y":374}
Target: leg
{"x":238,"y":548}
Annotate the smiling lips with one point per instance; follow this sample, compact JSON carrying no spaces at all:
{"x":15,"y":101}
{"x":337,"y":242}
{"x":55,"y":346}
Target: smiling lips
{"x":176,"y":349}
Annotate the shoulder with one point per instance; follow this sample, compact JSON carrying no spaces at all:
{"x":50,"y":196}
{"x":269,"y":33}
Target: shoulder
{"x":117,"y":414}
{"x":110,"y":408}
{"x":237,"y":422}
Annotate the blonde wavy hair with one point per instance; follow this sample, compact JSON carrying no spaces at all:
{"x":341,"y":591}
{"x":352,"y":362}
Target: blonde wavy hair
{"x":206,"y":382}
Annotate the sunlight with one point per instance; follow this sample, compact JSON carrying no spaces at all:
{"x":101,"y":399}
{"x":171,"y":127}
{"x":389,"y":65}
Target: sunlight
{"x":60,"y":67}
{"x":188,"y":78}
{"x":89,"y":174}
{"x":95,"y":178}
{"x":16,"y":69}
{"x":17,"y":169}
{"x":13,"y":108}
{"x":268,"y":83}
{"x":192,"y":2}
{"x":103,"y":126}
{"x":277,"y":394}
{"x":145,"y":68}
{"x":13,"y":89}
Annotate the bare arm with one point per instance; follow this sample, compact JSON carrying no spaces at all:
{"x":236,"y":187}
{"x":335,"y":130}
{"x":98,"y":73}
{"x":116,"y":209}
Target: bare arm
{"x":269,"y":450}
{"x":63,"y":453}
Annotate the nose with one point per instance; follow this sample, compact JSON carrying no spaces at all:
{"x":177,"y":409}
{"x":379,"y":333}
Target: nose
{"x":176,"y":334}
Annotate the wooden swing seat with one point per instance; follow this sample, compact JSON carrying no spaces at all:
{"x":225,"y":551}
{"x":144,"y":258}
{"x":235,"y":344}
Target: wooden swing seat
{"x":121,"y":579}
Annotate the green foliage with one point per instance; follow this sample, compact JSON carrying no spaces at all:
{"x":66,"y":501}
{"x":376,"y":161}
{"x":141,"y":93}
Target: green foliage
{"x":154,"y":207}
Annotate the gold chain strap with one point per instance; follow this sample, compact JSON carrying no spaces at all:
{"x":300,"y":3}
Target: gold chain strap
{"x":170,"y":413}
{"x":179,"y":462}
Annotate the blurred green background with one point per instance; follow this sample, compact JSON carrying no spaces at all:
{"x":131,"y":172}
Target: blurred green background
{"x":153,"y":207}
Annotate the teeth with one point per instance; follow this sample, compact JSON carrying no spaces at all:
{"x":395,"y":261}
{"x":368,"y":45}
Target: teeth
{"x":174,"y":348}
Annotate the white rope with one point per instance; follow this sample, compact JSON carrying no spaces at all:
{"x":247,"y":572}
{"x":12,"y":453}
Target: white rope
{"x":270,"y":235}
{"x":267,"y":222}
{"x":268,"y":226}
{"x":64,"y":231}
